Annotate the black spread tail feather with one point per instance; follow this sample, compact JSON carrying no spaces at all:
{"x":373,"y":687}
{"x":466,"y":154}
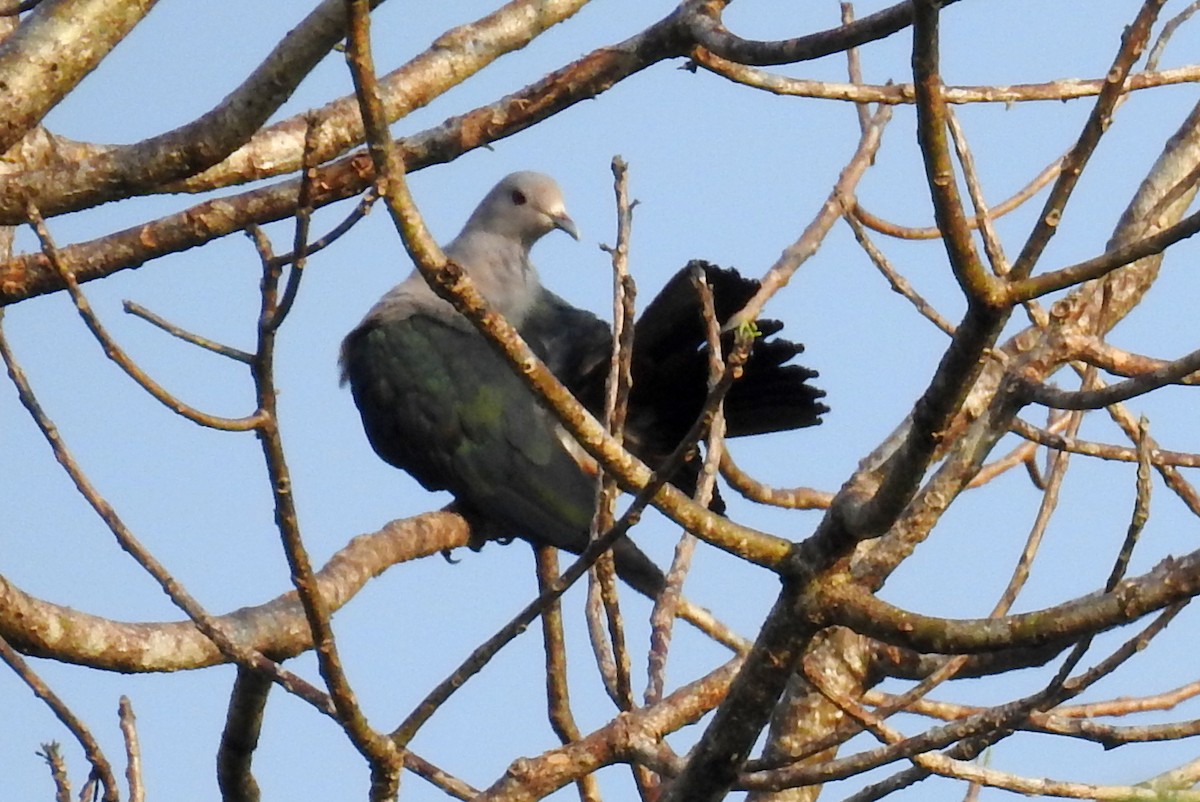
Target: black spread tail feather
{"x":670,"y":362}
{"x":670,"y":372}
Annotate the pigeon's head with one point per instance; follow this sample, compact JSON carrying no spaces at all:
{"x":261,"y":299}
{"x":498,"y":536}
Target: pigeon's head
{"x":524,"y":206}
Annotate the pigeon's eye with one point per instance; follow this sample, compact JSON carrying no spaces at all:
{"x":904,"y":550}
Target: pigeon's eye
{"x":518,"y":198}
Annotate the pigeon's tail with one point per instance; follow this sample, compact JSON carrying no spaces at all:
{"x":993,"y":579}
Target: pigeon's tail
{"x":773,"y":396}
{"x":670,"y":367}
{"x":637,"y":569}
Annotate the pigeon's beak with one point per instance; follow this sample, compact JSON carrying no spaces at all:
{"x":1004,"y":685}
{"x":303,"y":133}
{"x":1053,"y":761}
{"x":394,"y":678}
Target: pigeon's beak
{"x":564,"y":222}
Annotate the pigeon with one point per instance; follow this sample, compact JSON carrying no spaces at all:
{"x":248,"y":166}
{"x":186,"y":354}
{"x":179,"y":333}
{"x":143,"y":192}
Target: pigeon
{"x":438,"y":402}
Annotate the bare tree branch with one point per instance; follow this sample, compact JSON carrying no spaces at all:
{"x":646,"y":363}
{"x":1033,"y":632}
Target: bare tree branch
{"x":50,"y":53}
{"x":91,"y":747}
{"x":119,"y":172}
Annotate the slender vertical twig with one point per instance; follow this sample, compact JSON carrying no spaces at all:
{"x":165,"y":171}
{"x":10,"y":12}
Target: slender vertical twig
{"x":602,"y":590}
{"x":1141,"y":507}
{"x":1054,"y":480}
{"x":361,"y":210}
{"x":992,"y":247}
{"x":58,"y":771}
{"x":662,"y":618}
{"x":133,"y":750}
{"x":379,"y":751}
{"x":854,"y":70}
{"x":558,"y":698}
{"x":304,"y":210}
{"x":1168,"y":30}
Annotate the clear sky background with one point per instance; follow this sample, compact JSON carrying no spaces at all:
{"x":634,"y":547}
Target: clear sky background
{"x":721,"y":172}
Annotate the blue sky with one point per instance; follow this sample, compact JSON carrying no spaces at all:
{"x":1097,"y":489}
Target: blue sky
{"x":721,"y":172}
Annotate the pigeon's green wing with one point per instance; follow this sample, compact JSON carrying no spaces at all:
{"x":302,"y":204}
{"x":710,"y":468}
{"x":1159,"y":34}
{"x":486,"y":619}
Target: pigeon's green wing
{"x":438,"y":402}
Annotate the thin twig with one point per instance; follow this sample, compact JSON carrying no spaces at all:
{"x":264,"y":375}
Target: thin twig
{"x":1141,"y":508}
{"x":91,"y":747}
{"x":792,"y":498}
{"x":361,"y":210}
{"x":137,"y":310}
{"x":1060,"y":90}
{"x":603,"y":604}
{"x":304,"y":210}
{"x":1124,"y":706}
{"x":1046,"y":508}
{"x":116,"y":353}
{"x":1169,"y":373}
{"x":133,"y":751}
{"x":662,"y":617}
{"x":1023,"y":454}
{"x":1168,"y":30}
{"x":1011,"y":203}
{"x":854,"y":70}
{"x":439,"y":778}
{"x":558,"y":697}
{"x":601,"y":596}
{"x":1171,"y":475}
{"x":1133,"y":40}
{"x":894,"y":277}
{"x":983,"y":215}
{"x":58,"y":771}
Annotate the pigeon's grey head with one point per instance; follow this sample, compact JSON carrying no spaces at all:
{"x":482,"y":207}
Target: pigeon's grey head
{"x":524,"y":207}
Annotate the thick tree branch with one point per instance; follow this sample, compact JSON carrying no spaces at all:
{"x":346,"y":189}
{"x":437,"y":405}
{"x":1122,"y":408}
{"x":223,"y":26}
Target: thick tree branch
{"x":1173,"y":580}
{"x":51,"y":52}
{"x":276,"y":628}
{"x":706,"y":27}
{"x":239,"y":739}
{"x":932,"y":135}
{"x":1168,"y":373}
{"x":119,"y":172}
{"x":453,"y":58}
